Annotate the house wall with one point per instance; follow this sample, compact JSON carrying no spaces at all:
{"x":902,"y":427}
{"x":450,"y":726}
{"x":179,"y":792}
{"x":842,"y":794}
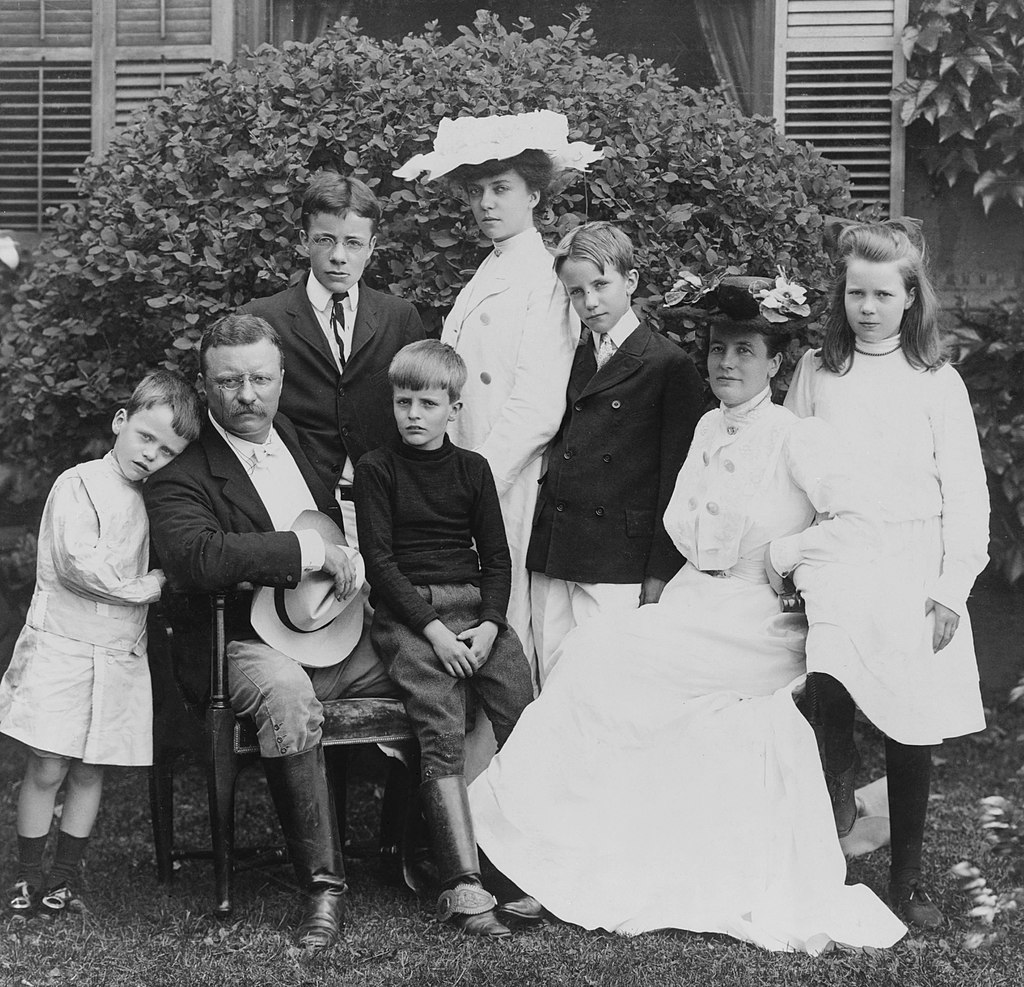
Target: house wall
{"x":978,"y":257}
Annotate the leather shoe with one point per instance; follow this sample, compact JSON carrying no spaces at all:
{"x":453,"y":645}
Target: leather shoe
{"x":324,"y":916}
{"x":913,"y":904}
{"x":526,"y":910}
{"x":842,"y":791}
{"x":470,"y":908}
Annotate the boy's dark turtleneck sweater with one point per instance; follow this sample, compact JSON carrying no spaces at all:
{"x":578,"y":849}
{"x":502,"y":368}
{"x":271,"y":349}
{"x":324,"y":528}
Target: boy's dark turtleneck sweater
{"x":419,"y":513}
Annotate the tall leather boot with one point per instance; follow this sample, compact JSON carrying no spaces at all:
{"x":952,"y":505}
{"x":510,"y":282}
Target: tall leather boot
{"x":302,"y":796}
{"x":463,"y":902}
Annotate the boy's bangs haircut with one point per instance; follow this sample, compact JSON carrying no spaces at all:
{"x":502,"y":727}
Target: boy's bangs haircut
{"x":237,"y":329}
{"x":336,"y":195}
{"x":895,"y":241}
{"x":533,"y":166}
{"x":163,"y":387}
{"x":426,"y":365}
{"x":603,"y":244}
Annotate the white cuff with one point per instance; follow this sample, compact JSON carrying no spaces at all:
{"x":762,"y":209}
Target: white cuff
{"x":311,"y":547}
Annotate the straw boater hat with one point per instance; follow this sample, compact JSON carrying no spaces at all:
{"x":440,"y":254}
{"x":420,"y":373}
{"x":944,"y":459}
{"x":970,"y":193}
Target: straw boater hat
{"x":308,"y":623}
{"x":474,"y":140}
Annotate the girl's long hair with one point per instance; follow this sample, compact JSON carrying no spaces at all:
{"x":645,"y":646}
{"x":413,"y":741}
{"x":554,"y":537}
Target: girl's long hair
{"x":896,"y":241}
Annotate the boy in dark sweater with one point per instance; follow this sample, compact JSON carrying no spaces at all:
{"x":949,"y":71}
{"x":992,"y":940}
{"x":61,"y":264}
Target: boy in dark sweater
{"x":439,"y":623}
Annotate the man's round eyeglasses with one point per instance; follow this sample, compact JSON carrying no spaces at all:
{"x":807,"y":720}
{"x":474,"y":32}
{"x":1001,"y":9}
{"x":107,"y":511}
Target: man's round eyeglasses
{"x":258,"y":381}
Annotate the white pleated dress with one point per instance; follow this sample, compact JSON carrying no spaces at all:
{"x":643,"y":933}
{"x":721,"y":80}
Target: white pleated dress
{"x":915,"y":441}
{"x":664,"y":778}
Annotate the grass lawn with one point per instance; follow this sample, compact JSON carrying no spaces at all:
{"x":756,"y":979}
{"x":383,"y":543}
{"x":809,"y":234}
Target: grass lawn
{"x":139,"y":933}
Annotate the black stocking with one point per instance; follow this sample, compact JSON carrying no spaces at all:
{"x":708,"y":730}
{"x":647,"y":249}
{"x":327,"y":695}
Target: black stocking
{"x":908,"y":778}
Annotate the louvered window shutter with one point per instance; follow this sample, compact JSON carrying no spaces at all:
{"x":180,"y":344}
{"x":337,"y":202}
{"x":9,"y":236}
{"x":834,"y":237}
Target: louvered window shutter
{"x":836,"y":61}
{"x":45,"y":104}
{"x":72,"y":70}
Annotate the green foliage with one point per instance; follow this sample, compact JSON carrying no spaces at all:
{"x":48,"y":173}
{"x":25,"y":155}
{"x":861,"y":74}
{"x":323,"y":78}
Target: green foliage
{"x":194,"y":209}
{"x":966,"y":62}
{"x":993,"y":368}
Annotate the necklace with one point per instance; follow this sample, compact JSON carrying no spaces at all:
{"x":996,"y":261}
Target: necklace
{"x":869,"y":353}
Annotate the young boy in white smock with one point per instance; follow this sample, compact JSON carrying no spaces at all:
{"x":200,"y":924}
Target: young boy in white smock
{"x":77,"y":692}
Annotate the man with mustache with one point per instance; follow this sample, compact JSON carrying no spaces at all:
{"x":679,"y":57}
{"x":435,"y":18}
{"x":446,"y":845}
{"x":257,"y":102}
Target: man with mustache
{"x":225,"y":516}
{"x":339,"y":336}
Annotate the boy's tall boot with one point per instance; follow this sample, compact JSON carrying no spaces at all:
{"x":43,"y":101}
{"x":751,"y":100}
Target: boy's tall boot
{"x":305,"y":807}
{"x":463,"y":902}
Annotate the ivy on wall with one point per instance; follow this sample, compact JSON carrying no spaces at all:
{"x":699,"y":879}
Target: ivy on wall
{"x":965,"y":71}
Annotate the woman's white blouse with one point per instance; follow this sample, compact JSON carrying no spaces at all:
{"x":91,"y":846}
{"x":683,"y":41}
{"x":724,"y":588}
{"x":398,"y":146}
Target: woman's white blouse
{"x":756,"y":475}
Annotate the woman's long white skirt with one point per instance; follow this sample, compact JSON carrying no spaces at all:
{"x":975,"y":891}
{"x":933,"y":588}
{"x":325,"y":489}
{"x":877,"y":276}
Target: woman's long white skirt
{"x":665,"y":779}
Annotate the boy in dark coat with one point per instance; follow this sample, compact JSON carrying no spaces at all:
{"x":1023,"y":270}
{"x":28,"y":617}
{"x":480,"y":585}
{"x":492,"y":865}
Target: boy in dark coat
{"x":338,"y":336}
{"x":633,"y":400}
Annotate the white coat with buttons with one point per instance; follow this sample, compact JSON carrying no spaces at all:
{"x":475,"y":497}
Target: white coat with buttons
{"x":515,"y":329}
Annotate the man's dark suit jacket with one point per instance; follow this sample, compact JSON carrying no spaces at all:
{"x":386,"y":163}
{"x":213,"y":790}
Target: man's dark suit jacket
{"x":339,"y":415}
{"x":613,"y":464}
{"x":209,"y":531}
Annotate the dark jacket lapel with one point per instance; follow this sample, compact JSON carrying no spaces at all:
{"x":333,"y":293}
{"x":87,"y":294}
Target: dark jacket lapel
{"x":304,"y":323}
{"x":237,"y":488}
{"x":366,"y":322}
{"x":628,"y":360}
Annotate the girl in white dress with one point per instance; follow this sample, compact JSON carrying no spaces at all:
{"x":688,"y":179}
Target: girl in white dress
{"x":664,"y":777}
{"x":512,"y":323}
{"x":882,"y":380}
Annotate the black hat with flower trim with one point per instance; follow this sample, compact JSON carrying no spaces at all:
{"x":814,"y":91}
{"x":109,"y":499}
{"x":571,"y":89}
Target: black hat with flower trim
{"x":765,"y":305}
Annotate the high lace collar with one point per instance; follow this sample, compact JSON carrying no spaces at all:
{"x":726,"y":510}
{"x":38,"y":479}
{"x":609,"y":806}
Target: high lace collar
{"x":878,"y":347}
{"x":741,"y":414}
{"x":502,"y":248}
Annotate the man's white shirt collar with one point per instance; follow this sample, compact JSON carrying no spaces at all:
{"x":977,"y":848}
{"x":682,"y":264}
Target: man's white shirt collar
{"x":321,"y":299}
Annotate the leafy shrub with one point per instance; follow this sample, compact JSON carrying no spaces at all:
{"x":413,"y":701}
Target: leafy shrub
{"x":992,"y":340}
{"x":965,"y":71}
{"x":194,"y":209}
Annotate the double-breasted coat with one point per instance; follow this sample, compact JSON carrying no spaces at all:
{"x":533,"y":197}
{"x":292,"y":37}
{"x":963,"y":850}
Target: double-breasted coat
{"x":340,"y":415}
{"x":613,"y":465}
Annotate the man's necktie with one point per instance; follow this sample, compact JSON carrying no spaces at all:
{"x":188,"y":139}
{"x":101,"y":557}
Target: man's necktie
{"x":605,"y":349}
{"x":338,"y":323}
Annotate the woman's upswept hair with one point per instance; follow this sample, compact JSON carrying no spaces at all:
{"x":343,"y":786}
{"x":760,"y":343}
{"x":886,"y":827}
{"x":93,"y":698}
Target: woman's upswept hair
{"x":426,"y":364}
{"x":533,"y":166}
{"x":896,"y":241}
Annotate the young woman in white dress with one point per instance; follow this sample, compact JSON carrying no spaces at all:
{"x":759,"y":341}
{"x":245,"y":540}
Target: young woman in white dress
{"x":881,"y":379}
{"x":664,"y":778}
{"x":512,"y":323}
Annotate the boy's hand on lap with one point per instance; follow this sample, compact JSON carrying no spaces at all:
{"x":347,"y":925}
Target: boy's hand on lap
{"x":946,"y":623}
{"x":480,"y":640}
{"x":455,"y":658}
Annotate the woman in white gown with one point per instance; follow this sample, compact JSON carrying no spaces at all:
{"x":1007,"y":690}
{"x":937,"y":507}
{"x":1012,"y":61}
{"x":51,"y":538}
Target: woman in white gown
{"x":665,"y":778}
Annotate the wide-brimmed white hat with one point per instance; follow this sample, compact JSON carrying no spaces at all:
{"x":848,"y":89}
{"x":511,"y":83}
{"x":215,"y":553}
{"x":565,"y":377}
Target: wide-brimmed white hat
{"x":473,"y":140}
{"x":308,"y":622}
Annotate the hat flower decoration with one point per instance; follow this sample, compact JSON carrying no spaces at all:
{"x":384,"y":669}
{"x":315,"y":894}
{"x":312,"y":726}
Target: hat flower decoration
{"x":786,"y":300}
{"x":724,"y":296}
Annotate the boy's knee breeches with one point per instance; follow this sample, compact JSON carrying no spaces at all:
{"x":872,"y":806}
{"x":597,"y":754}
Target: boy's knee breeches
{"x":435,"y":700}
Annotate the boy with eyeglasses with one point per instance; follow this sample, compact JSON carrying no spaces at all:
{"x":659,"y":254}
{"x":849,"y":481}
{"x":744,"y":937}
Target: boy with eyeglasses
{"x":339,"y":336}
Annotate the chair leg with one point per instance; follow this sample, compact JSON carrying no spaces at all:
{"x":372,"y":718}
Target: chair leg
{"x":161,"y":811}
{"x":221,"y":775}
{"x":336,"y":757}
